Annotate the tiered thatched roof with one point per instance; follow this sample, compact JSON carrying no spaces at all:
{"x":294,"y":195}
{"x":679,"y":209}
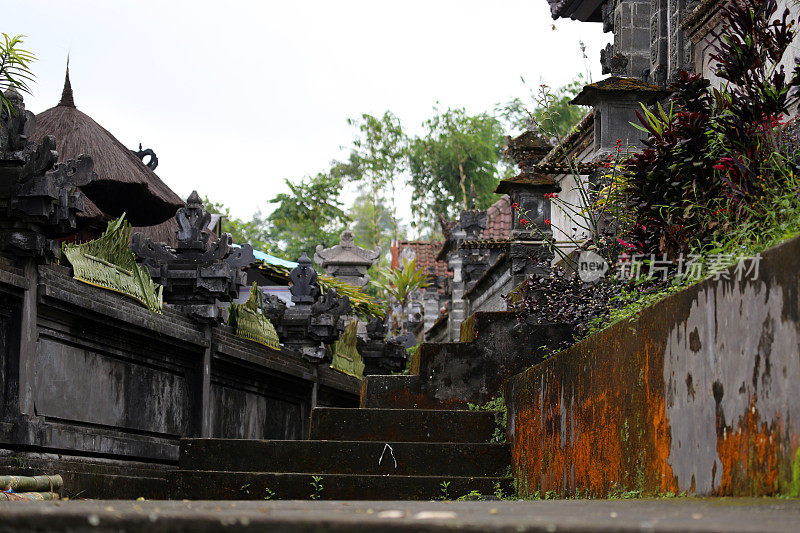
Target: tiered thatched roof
{"x":124,"y":184}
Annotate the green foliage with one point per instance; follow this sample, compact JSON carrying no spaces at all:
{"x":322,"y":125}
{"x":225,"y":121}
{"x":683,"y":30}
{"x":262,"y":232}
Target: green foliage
{"x":718,"y":152}
{"x":554,"y":118}
{"x":498,"y":406}
{"x":249,"y":323}
{"x":14,"y":68}
{"x":459,"y":152}
{"x":346,"y":358}
{"x":444,"y":490}
{"x":309,"y":215}
{"x":400,"y":284}
{"x":316,"y":484}
{"x":253,"y":231}
{"x":377,"y":159}
{"x":370,"y":226}
{"x":471,"y":496}
{"x":363,"y":304}
{"x":108,"y":262}
{"x":269,"y":494}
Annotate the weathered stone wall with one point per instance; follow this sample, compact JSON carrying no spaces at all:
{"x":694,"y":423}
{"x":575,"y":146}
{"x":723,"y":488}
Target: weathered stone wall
{"x":488,"y":294}
{"x":698,"y":394}
{"x":88,"y":372}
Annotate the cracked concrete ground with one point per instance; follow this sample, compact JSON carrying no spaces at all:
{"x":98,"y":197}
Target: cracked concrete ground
{"x":675,"y":515}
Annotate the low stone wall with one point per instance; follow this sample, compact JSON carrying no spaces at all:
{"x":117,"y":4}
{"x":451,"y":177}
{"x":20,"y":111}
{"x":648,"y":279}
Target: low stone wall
{"x":89,"y":374}
{"x":698,"y":394}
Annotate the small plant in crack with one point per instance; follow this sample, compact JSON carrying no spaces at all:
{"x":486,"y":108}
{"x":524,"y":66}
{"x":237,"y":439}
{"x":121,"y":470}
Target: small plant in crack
{"x":268,"y":494}
{"x":316,"y":484}
{"x":444,"y":490}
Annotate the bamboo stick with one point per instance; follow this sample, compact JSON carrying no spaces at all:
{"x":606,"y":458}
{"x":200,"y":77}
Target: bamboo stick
{"x":31,"y":483}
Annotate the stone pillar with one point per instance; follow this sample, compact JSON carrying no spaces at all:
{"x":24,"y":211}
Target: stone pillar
{"x":631,"y":25}
{"x":458,"y":307}
{"x":615,"y":101}
{"x":431,"y":306}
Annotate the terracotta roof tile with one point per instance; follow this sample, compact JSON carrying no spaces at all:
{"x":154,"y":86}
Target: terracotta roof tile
{"x":498,"y":220}
{"x":425,"y":255}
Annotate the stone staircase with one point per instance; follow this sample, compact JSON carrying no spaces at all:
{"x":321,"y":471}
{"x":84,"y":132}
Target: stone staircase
{"x":353,"y":454}
{"x":412,"y":439}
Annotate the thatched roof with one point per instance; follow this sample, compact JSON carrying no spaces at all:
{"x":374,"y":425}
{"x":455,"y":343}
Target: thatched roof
{"x":124,"y":184}
{"x":165,"y":232}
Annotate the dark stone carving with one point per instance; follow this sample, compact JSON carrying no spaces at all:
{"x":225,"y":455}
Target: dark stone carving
{"x":197,"y":273}
{"x":315,"y":320}
{"x":346,"y":261}
{"x":473,"y":223}
{"x":39,"y":198}
{"x":474,"y":264}
{"x":614,"y":64}
{"x":303,"y":277}
{"x":376,"y":329}
{"x":381,"y":355}
{"x":607,"y":12}
{"x":273,"y":308}
{"x":141,"y":154}
{"x":530,"y":259}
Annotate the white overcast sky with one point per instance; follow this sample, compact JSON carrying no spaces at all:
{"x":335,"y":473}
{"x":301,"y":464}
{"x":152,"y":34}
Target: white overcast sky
{"x":236,"y":96}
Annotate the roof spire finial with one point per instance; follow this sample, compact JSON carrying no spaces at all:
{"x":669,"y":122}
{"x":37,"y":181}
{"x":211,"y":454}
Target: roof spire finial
{"x":66,"y":94}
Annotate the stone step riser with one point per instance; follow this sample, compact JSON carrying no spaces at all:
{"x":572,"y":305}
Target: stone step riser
{"x":403,"y":392}
{"x":403,"y":425}
{"x":206,"y":485}
{"x":343,"y":457}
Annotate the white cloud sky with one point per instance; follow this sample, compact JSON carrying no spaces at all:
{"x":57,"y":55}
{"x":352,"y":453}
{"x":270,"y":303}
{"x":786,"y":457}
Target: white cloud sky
{"x":236,"y":96}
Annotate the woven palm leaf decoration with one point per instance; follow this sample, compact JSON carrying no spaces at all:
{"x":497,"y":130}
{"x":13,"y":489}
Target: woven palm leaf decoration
{"x":248,"y":322}
{"x":109,"y":263}
{"x":346,"y":358}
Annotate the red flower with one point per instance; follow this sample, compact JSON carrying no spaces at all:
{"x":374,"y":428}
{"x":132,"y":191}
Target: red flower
{"x":554,"y":195}
{"x":515,"y":206}
{"x":523,"y":221}
{"x":547,"y":221}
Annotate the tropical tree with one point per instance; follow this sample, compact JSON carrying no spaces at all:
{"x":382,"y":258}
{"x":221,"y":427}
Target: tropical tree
{"x":459,"y":153}
{"x":253,"y":231}
{"x":310,"y":214}
{"x":362,"y":214}
{"x":14,"y":68}
{"x":554,"y":115}
{"x":400,"y":284}
{"x":376,"y":160}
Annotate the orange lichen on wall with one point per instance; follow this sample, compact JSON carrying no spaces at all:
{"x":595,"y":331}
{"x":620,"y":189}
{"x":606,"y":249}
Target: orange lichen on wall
{"x":590,"y":424}
{"x":751,"y":457}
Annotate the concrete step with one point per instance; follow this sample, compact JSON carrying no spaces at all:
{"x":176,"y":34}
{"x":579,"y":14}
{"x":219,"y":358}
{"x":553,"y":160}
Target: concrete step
{"x":211,"y":485}
{"x":403,"y":425}
{"x":346,"y":457}
{"x":402,"y":392}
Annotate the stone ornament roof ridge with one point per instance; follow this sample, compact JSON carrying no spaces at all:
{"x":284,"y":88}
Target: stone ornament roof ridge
{"x":346,"y":252}
{"x":615,"y":85}
{"x":704,"y":9}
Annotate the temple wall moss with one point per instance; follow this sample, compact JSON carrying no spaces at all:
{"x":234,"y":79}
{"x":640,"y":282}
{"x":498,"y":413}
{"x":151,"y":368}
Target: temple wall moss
{"x":697,"y":393}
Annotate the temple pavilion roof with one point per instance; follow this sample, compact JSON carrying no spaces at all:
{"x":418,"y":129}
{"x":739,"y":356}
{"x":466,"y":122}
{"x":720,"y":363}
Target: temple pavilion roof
{"x":124,"y":184}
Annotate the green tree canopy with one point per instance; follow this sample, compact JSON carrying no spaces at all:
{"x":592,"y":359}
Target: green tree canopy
{"x":549,"y":112}
{"x":14,"y":68}
{"x":362,"y":214}
{"x":376,"y":161}
{"x":253,"y":231}
{"x":458,"y":152}
{"x":310,"y":214}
